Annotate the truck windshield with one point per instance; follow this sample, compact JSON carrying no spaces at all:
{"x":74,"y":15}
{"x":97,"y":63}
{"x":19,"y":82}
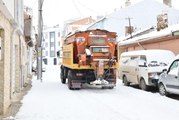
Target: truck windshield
{"x":100,"y":49}
{"x":98,"y":40}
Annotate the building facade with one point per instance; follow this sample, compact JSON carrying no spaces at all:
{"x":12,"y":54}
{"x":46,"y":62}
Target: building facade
{"x":166,"y":39}
{"x":14,"y":53}
{"x":71,"y":26}
{"x":51,"y":44}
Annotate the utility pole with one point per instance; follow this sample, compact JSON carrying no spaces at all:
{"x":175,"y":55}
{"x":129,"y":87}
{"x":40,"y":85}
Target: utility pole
{"x":39,"y":42}
{"x":130,"y":27}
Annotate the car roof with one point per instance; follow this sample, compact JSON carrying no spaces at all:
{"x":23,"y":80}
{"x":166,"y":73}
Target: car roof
{"x":144,"y":52}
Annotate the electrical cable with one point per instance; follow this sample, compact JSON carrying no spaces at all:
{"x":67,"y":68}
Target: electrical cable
{"x":73,"y":1}
{"x":83,"y":5}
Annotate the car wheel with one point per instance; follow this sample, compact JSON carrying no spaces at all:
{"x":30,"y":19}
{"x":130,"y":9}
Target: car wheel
{"x":143,"y":85}
{"x":162,"y":90}
{"x":125,"y":81}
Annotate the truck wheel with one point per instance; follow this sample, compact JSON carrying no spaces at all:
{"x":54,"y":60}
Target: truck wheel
{"x":62,"y":75}
{"x":125,"y":81}
{"x":162,"y":90}
{"x":143,"y":85}
{"x":70,"y":80}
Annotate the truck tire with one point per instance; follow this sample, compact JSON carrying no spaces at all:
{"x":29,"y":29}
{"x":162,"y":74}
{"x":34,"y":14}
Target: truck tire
{"x":62,"y":75}
{"x":125,"y":81}
{"x":162,"y":90}
{"x":70,"y":80}
{"x":143,"y":85}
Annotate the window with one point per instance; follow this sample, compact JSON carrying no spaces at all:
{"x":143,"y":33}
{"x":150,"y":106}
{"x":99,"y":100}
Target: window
{"x":46,"y":44}
{"x":125,"y":60}
{"x":142,"y":62}
{"x":46,"y":53}
{"x":134,"y":60}
{"x":52,"y":35}
{"x":59,"y":34}
{"x":98,"y":40}
{"x":174,"y":68}
{"x":52,"y":53}
{"x":52,"y":44}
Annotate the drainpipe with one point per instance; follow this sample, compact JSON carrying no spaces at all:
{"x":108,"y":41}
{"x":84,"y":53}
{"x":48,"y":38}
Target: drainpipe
{"x":140,"y":45}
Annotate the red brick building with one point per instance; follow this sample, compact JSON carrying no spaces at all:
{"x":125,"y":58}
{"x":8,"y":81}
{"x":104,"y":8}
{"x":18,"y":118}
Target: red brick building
{"x":167,"y":39}
{"x":77,"y":24}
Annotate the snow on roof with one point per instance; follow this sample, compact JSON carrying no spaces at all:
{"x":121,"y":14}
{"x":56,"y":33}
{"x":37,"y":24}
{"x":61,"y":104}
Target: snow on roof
{"x":143,"y":15}
{"x":145,"y":52}
{"x":149,"y":36}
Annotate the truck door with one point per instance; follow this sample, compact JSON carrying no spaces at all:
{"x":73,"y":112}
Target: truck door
{"x":172,"y":77}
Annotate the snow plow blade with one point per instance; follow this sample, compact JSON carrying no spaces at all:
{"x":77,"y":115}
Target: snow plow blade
{"x":99,"y":82}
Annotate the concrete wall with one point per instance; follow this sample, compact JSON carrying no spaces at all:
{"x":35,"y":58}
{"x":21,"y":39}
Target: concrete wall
{"x":14,"y":53}
{"x":5,"y":64}
{"x":10,"y":6}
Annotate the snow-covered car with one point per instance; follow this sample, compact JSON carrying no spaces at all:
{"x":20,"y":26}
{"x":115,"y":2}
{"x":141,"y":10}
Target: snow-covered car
{"x":169,"y":79}
{"x":143,"y":67}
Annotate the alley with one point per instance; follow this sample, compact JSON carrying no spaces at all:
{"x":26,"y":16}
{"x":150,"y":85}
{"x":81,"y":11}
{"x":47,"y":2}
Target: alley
{"x":51,"y":100}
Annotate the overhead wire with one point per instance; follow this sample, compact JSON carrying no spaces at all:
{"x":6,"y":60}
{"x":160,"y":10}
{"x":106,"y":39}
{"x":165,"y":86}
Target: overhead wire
{"x":73,"y":1}
{"x":83,"y":5}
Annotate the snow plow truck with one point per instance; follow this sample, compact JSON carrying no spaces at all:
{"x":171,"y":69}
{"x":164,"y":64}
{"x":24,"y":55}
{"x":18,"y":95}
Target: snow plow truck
{"x":89,"y":57}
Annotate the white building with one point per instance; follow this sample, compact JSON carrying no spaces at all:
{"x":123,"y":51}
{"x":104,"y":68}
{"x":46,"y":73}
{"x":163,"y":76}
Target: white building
{"x":51,"y":44}
{"x":139,"y":16}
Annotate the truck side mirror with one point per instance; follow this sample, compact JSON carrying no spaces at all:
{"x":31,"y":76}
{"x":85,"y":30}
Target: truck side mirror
{"x":58,"y":53}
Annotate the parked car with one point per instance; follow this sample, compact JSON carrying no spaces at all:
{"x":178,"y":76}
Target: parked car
{"x":169,"y":79}
{"x":143,"y":67}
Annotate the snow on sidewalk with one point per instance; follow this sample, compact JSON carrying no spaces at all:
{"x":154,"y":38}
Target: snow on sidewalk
{"x":51,"y":100}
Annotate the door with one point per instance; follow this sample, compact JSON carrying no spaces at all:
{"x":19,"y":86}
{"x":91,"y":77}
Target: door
{"x":172,"y":78}
{"x":134,"y":69}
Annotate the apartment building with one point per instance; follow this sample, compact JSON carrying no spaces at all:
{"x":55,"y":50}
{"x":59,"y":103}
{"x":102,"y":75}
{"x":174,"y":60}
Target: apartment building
{"x":51,"y":44}
{"x":15,"y":50}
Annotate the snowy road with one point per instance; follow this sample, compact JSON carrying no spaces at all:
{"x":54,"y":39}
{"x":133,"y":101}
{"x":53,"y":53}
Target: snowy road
{"x":51,"y":100}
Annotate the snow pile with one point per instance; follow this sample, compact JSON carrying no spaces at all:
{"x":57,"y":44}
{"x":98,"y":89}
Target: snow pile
{"x":51,"y":100}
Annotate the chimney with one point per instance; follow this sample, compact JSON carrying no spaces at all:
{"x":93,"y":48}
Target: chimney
{"x":127,"y":3}
{"x":168,"y":2}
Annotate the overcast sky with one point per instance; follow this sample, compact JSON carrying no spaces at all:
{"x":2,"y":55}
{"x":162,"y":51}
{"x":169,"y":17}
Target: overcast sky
{"x":57,"y":11}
